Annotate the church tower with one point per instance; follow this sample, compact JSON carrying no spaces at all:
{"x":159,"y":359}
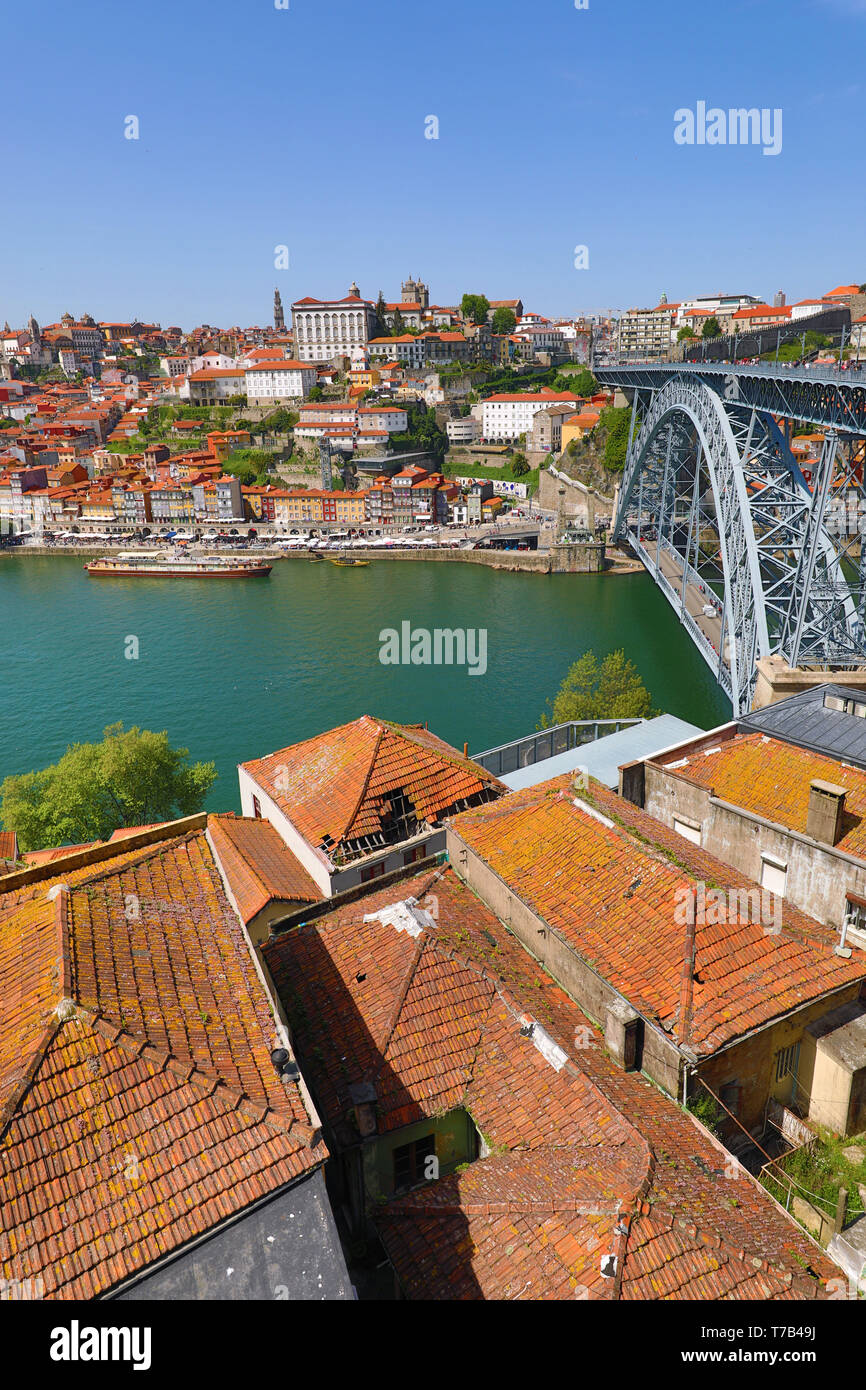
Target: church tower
{"x":279,"y":316}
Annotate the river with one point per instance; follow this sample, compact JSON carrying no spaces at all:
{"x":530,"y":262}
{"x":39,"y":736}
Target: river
{"x":240,"y":668}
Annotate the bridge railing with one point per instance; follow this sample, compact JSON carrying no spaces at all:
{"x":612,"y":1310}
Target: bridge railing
{"x":712,"y":656}
{"x":836,"y":376}
{"x":548,"y":743}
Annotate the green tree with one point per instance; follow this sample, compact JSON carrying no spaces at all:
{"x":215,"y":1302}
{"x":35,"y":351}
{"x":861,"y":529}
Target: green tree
{"x":241,"y":469}
{"x":519,"y":465}
{"x":316,"y":393}
{"x":475,"y":307}
{"x":611,"y":689}
{"x":684,"y":333}
{"x":133,"y":777}
{"x":582,"y":383}
{"x":712,"y":328}
{"x":382,"y":330}
{"x":504,"y":320}
{"x":616,"y":423}
{"x":398,"y":325}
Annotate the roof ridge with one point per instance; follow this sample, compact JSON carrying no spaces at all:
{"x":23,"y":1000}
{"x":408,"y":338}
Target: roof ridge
{"x":10,"y":1105}
{"x":455,"y":758}
{"x":101,"y":851}
{"x":420,"y":946}
{"x":359,"y":803}
{"x":148,"y":852}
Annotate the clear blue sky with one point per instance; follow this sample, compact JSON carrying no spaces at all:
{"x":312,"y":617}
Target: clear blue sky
{"x":305,"y":126}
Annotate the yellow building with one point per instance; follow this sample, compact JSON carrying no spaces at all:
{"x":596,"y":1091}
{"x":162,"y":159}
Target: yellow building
{"x":297,"y":505}
{"x":577,"y":426}
{"x":313,"y":504}
{"x":365,"y":376}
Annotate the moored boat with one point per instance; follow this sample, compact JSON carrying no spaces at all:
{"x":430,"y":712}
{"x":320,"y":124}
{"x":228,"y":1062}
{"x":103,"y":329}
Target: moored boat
{"x":176,"y":565}
{"x":347,"y":562}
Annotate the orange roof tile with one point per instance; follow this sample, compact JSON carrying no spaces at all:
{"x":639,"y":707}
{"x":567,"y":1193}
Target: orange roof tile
{"x":133,"y":1022}
{"x":440,"y":1020}
{"x":615,"y":895}
{"x":258,"y":866}
{"x":337,"y":788}
{"x":772,"y":778}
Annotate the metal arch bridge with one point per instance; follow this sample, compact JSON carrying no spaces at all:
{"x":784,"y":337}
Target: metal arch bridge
{"x":756,"y":559}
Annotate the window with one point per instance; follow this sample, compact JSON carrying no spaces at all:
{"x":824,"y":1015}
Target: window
{"x":410,"y":1160}
{"x":787,"y":1061}
{"x":855,"y":914}
{"x":774,"y":874}
{"x":411,"y":856}
{"x":689,"y":829}
{"x":373,"y":871}
{"x":257,"y":808}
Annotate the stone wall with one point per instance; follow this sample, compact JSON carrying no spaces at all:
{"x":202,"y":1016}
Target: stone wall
{"x":659,"y":1055}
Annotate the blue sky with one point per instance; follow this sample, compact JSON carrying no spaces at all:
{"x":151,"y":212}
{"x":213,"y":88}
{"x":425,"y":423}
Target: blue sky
{"x":305,"y":127}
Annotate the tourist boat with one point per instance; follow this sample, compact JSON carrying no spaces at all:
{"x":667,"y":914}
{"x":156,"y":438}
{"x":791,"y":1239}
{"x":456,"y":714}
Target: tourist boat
{"x":176,"y":565}
{"x":347,"y":561}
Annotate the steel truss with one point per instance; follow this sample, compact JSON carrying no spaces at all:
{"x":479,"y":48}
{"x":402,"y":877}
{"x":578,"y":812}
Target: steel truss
{"x":719,"y":511}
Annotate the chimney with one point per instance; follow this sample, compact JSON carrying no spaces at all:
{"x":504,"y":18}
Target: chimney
{"x":623,"y":1035}
{"x":826,"y":808}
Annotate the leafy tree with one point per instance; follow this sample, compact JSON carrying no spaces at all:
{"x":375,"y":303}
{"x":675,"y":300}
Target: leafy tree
{"x":504,"y":320}
{"x":582,"y":383}
{"x":475,"y":307}
{"x":611,"y":689}
{"x":280,"y":422}
{"x":616,"y":422}
{"x":519,"y":465}
{"x":712,"y":328}
{"x":398,"y":324}
{"x":423,"y":433}
{"x":684,"y":333}
{"x":382,"y":328}
{"x":316,"y":393}
{"x":133,"y":777}
{"x":240,"y":469}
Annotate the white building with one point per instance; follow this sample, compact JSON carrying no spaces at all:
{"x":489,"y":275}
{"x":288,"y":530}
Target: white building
{"x":176,"y":366}
{"x":722,"y":306}
{"x":383,"y":417}
{"x":541,"y":338}
{"x":329,"y":329}
{"x":214,"y":384}
{"x":506,"y":415}
{"x":408,"y":350}
{"x":463,"y":431}
{"x":267,"y":382}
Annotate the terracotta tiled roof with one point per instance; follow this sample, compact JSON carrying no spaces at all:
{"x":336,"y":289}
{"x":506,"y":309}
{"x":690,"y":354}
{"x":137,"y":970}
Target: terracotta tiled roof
{"x":133,"y":1026}
{"x":772,"y":779}
{"x":615,"y":896}
{"x":338,"y":784}
{"x":439,"y":1020}
{"x":257,"y":864}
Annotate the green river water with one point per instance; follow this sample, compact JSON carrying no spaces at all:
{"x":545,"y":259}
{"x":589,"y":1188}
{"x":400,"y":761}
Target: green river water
{"x":239,"y":668}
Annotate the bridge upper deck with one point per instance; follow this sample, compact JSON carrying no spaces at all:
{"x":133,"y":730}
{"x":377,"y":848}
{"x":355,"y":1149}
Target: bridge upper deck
{"x":829,"y":397}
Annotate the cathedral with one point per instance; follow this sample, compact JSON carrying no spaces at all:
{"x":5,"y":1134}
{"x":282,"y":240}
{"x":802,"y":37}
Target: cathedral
{"x":415,"y":292}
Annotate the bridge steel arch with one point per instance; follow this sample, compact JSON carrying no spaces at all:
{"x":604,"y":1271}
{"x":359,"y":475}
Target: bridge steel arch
{"x":700,"y":465}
